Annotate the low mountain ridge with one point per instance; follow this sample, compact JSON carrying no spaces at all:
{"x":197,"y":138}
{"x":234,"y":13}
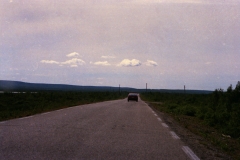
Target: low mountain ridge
{"x":18,"y":86}
{"x":6,"y":85}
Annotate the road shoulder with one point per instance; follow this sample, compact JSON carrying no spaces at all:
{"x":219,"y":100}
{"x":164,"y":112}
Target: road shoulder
{"x":203,"y":148}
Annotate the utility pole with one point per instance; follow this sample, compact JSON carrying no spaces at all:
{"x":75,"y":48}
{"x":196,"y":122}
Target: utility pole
{"x":184,"y":89}
{"x":119,"y":89}
{"x":146,"y":87}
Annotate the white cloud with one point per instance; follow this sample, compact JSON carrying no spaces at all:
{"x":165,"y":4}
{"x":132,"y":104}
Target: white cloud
{"x":129,"y":63}
{"x":74,"y":62}
{"x":151,"y":63}
{"x":49,"y":62}
{"x":108,"y":57}
{"x":72,"y":54}
{"x":105,"y":63}
{"x":74,"y":65}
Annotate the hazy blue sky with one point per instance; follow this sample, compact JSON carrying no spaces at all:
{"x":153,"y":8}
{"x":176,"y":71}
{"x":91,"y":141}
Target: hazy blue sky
{"x":165,"y":43}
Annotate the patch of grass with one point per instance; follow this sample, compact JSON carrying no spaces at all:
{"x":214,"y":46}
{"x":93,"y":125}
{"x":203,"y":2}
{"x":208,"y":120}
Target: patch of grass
{"x":15,"y":105}
{"x":214,"y":117}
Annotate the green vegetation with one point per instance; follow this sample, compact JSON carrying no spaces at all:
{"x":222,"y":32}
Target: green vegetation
{"x":215,"y":116}
{"x":15,"y":105}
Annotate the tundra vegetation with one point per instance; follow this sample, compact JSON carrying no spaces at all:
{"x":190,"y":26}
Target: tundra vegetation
{"x":214,"y":116}
{"x":15,"y":105}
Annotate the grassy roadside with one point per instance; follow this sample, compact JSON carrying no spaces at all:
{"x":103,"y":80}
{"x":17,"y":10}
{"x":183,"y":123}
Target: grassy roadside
{"x":16,"y":105}
{"x":188,"y":111}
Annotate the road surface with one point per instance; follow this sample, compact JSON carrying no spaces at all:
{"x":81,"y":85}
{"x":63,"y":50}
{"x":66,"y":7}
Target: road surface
{"x":107,"y":130}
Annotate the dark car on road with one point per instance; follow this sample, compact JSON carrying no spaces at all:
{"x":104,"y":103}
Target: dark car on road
{"x":133,"y":96}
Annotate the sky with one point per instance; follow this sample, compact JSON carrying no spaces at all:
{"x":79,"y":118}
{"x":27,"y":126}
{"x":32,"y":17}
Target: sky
{"x":164,"y":43}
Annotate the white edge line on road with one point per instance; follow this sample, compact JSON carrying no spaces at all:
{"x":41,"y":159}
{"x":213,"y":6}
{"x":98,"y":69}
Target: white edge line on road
{"x":61,"y":109}
{"x":155,"y":114}
{"x":174,"y":135}
{"x":165,"y":125}
{"x":159,"y":119}
{"x":22,"y":118}
{"x":2,"y":122}
{"x":26,"y":117}
{"x":190,"y":153}
{"x":45,"y":113}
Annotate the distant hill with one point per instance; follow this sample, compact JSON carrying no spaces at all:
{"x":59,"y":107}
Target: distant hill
{"x":181,"y":91}
{"x":6,"y":85}
{"x":17,"y":86}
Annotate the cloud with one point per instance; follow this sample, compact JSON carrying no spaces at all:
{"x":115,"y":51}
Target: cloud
{"x":151,"y":63}
{"x":72,"y":54}
{"x":129,"y":63}
{"x":74,"y":62}
{"x":74,"y":65}
{"x":49,"y":62}
{"x":108,"y":57}
{"x":105,"y":63}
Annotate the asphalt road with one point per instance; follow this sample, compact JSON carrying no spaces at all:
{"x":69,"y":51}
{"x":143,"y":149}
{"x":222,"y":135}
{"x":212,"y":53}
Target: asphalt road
{"x":107,"y":130}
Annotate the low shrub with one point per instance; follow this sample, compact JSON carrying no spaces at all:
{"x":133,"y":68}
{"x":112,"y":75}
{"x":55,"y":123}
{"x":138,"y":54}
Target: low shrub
{"x":14,"y":105}
{"x":219,"y":109}
{"x":188,"y":110}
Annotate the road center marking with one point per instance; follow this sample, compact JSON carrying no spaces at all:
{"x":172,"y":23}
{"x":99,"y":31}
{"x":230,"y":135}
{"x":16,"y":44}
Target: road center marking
{"x":190,"y":153}
{"x":159,"y":119}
